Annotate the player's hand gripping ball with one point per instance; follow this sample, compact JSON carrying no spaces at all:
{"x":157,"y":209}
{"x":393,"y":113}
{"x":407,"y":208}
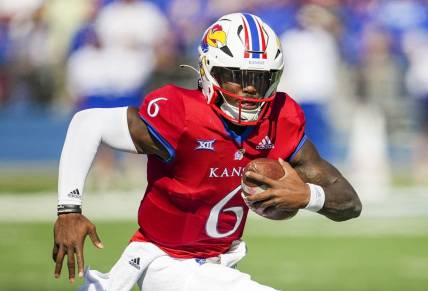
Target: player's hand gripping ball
{"x":271,"y":169}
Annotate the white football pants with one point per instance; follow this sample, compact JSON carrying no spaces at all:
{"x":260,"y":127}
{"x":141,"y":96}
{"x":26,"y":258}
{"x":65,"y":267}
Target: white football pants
{"x":152,"y":269}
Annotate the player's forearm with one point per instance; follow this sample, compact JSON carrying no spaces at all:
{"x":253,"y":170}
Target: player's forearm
{"x":341,"y":201}
{"x":87,"y":130}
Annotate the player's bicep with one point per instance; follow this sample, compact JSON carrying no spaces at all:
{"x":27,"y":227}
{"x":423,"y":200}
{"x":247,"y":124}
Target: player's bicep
{"x":312,"y":168}
{"x":144,"y":142}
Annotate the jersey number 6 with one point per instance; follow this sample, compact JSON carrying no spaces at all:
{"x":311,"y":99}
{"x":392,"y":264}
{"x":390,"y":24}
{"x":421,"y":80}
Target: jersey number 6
{"x":211,"y":225}
{"x":153,"y":107}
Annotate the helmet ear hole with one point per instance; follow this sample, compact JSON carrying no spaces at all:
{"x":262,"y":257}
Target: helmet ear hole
{"x":208,"y":62}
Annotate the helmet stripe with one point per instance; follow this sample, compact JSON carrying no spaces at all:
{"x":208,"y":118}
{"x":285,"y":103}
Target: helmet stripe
{"x":247,"y":48}
{"x":255,"y":45}
{"x":264,"y":56}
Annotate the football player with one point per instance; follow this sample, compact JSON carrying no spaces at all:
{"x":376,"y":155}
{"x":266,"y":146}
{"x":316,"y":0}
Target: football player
{"x":198,"y":141}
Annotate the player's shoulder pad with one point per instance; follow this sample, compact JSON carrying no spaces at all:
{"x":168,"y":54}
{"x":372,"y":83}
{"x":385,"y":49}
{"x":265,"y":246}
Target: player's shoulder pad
{"x":167,"y":98}
{"x":294,"y":107}
{"x":168,"y":91}
{"x":288,"y":108}
{"x":292,"y":119}
{"x":164,"y":114}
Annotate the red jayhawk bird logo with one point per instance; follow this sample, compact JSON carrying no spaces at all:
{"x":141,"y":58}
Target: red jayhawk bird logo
{"x":215,"y":37}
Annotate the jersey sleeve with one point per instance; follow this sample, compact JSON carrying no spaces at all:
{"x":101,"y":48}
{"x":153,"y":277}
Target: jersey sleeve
{"x":297,"y":122}
{"x":163,"y":112}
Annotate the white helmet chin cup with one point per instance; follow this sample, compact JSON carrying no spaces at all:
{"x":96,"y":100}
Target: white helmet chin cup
{"x":246,"y":114}
{"x":240,"y":42}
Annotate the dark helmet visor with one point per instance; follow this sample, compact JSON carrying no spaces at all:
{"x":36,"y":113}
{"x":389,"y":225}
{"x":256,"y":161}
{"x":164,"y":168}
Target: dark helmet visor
{"x":265,"y":82}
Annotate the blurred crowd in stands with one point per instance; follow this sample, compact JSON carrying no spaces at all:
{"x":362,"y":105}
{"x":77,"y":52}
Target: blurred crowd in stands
{"x":358,"y":67}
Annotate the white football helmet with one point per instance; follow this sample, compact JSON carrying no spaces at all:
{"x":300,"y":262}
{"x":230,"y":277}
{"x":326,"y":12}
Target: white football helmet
{"x":240,"y":65}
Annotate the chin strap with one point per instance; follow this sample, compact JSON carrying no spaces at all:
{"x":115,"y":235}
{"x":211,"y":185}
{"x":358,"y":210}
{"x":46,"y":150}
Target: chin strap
{"x":238,"y":113}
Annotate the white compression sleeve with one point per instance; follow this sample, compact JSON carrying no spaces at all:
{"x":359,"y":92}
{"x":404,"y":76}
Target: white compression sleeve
{"x":86,"y":131}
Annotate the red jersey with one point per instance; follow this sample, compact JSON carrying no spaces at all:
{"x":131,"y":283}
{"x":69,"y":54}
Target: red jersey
{"x":193,"y":205}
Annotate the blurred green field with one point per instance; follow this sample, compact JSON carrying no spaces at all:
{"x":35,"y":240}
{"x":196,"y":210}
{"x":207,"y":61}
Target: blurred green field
{"x":28,"y":181}
{"x":302,"y":254}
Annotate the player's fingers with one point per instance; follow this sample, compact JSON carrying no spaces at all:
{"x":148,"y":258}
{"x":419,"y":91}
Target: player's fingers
{"x":95,"y":238}
{"x":257,"y":198}
{"x":58,"y":261}
{"x":268,"y":203}
{"x":54,"y":252}
{"x":80,"y":260}
{"x":71,"y":264}
{"x":286,"y":167}
{"x":260,"y":178}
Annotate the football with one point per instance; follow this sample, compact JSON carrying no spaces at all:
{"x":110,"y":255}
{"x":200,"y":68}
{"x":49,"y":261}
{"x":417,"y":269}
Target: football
{"x":269,"y":168}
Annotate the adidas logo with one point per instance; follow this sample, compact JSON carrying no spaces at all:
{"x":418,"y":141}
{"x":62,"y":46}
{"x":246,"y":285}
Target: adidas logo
{"x":265,"y":144}
{"x":135,"y":263}
{"x":74,"y":194}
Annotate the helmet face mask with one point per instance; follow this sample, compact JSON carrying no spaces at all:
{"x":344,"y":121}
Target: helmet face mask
{"x":240,"y":64}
